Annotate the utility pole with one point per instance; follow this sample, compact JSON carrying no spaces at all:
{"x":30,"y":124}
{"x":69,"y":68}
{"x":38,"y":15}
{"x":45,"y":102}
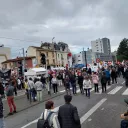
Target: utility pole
{"x":85,"y":58}
{"x":23,"y":62}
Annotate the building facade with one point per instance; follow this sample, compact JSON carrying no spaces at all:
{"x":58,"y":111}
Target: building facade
{"x":56,"y":54}
{"x":101,"y":46}
{"x":13,"y":63}
{"x":5,"y":54}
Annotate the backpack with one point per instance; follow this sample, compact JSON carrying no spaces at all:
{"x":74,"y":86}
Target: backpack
{"x":44,"y":123}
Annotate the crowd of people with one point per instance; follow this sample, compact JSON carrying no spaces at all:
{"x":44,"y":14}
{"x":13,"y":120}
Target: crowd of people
{"x":86,"y":79}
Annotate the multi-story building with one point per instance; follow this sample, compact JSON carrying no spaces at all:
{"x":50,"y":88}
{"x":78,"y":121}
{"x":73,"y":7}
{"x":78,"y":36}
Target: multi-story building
{"x":5,"y":54}
{"x":101,"y":46}
{"x":56,"y":54}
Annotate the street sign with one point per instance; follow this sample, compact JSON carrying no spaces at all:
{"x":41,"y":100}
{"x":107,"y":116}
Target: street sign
{"x":97,"y":60}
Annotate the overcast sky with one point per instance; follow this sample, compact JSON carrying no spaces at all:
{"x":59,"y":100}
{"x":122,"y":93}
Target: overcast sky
{"x":76,"y":22}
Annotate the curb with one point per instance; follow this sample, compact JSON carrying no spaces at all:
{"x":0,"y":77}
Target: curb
{"x":36,"y":104}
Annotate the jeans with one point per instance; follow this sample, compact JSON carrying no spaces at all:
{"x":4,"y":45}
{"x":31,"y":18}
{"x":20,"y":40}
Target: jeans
{"x":81,"y":88}
{"x":114,"y":78}
{"x":11,"y":103}
{"x":96,"y":88}
{"x":55,"y":88}
{"x":39,"y":95}
{"x":87,"y":91}
{"x":2,"y":124}
{"x":124,"y":124}
{"x":103,"y":87}
{"x":74,"y":88}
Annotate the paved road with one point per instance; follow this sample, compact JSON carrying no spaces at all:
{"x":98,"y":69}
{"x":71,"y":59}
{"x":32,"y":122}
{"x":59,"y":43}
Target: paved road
{"x":101,"y":111}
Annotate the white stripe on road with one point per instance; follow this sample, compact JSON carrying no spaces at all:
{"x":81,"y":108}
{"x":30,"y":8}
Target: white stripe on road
{"x":125,"y":92}
{"x":35,"y":121}
{"x":82,"y":119}
{"x":100,"y":91}
{"x":112,"y":92}
{"x":123,"y":82}
{"x":91,"y":111}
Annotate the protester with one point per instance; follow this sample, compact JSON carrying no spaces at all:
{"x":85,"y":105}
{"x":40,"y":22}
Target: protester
{"x":49,"y":115}
{"x":103,"y":82}
{"x":73,"y":82}
{"x":10,"y":98}
{"x":59,"y":77}
{"x":2,"y":91}
{"x":31,"y":86}
{"x":67,"y":85}
{"x":95,"y":80}
{"x":126,"y":77}
{"x":26,"y":88}
{"x":114,"y":76}
{"x":19,"y":83}
{"x":68,"y":114}
{"x":87,"y":86}
{"x":80,"y":82}
{"x":2,"y":123}
{"x":39,"y":88}
{"x":54,"y":84}
{"x":43,"y":80}
{"x":108,"y":75}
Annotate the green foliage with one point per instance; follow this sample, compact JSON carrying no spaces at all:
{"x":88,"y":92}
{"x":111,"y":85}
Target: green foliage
{"x":122,"y":52}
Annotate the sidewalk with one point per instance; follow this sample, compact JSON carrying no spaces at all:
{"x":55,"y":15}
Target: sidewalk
{"x":22,"y":103}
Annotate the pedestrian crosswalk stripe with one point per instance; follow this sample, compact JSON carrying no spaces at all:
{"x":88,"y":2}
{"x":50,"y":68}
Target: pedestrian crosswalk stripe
{"x":112,"y":92}
{"x":100,"y":91}
{"x":125,"y":92}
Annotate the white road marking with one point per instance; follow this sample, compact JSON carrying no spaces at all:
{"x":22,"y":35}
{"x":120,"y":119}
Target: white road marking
{"x":125,"y":92}
{"x":123,"y":82}
{"x":62,"y":91}
{"x":112,"y":92}
{"x":100,"y":91}
{"x":35,"y":121}
{"x":82,"y":119}
{"x":91,"y":111}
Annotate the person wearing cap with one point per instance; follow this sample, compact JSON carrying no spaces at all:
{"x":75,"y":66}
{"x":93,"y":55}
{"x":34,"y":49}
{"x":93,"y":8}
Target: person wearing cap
{"x":68,"y":114}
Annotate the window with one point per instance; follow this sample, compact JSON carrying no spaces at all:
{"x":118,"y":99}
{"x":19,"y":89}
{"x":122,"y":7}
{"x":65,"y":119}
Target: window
{"x":53,"y":54}
{"x":47,"y":54}
{"x":58,"y":55}
{"x":47,"y":62}
{"x":53,"y":61}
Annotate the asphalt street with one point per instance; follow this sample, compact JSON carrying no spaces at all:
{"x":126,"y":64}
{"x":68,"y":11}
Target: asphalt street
{"x":102,"y":110}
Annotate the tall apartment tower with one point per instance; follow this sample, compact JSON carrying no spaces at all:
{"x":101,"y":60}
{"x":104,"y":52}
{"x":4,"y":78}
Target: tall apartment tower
{"x":101,"y":46}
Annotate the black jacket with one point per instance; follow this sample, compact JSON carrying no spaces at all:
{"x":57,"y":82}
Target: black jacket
{"x":103,"y":79}
{"x":1,"y":108}
{"x":113,"y":74}
{"x":80,"y":80}
{"x":68,"y":117}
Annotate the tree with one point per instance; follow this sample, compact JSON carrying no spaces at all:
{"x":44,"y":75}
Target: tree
{"x":122,"y":52}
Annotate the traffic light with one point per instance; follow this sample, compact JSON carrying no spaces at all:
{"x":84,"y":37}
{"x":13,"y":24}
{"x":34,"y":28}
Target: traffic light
{"x":20,"y":68}
{"x":43,"y":59}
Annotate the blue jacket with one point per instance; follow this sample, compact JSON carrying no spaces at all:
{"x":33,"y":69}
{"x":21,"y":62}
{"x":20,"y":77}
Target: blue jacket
{"x":107,"y":73}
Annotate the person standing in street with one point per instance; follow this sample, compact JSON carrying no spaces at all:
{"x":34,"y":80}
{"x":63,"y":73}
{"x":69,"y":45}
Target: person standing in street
{"x":80,"y":82}
{"x":68,"y":114}
{"x":95,"y":80}
{"x":73,"y":82}
{"x":108,"y":76}
{"x":39,"y":88}
{"x":103,"y":82}
{"x":87,"y":86}
{"x":114,"y":76}
{"x":31,"y":86}
{"x":26,"y":87}
{"x":2,"y":91}
{"x":2,"y":123}
{"x":10,"y":98}
{"x":67,"y":85}
{"x":126,"y":77}
{"x":54,"y":84}
{"x":19,"y":83}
